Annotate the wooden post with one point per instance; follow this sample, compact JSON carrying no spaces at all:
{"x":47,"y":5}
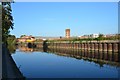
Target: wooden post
{"x":89,"y":47}
{"x":92,"y":47}
{"x":99,"y":47}
{"x":105,"y":47}
{"x":82,"y":46}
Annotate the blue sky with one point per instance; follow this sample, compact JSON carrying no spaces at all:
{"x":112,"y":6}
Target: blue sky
{"x":52,"y":18}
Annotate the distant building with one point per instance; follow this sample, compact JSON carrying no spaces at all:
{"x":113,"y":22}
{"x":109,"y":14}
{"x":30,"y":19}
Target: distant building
{"x":89,"y":36}
{"x":110,"y":35}
{"x":94,"y":35}
{"x":26,"y":39}
{"x":67,"y":33}
{"x":84,"y":36}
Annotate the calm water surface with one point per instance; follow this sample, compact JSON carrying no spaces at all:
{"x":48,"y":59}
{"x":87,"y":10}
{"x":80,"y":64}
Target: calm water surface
{"x":37,"y":64}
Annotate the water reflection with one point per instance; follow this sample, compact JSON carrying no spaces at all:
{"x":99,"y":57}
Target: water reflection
{"x":27,"y":49}
{"x":100,"y":58}
{"x":97,"y":57}
{"x":65,"y":63}
{"x":45,"y":46}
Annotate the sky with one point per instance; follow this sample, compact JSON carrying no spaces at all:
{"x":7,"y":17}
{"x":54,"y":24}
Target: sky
{"x":66,"y":0}
{"x":52,"y":18}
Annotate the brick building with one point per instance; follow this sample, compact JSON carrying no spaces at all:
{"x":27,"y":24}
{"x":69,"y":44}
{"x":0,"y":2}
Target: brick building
{"x":67,"y":33}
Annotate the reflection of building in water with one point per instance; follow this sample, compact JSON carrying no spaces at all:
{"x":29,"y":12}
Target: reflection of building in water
{"x":25,"y":49}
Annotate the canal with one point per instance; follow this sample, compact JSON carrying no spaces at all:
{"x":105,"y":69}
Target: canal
{"x":56,"y":63}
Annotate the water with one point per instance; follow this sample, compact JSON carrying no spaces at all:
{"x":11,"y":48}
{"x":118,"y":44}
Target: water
{"x":51,"y":64}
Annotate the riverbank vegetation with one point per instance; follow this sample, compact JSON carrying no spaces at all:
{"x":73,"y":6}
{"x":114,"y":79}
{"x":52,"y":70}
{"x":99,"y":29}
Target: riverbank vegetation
{"x":11,"y":42}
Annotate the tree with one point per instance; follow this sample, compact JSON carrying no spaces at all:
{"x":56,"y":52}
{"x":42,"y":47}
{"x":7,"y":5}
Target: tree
{"x":7,"y":20}
{"x":101,"y":35}
{"x":22,"y":35}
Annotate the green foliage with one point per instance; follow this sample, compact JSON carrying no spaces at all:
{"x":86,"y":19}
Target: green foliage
{"x":101,"y":36}
{"x":11,"y":40}
{"x":22,"y":35}
{"x":12,"y":48}
{"x":7,"y":20}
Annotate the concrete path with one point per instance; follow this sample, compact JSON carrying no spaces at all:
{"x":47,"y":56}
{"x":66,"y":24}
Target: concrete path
{"x":9,"y":68}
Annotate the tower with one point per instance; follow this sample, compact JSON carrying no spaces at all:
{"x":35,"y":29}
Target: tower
{"x":67,"y":33}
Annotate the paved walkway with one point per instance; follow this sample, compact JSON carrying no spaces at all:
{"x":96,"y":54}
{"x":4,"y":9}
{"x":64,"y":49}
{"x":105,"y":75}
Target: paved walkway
{"x":9,"y":68}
